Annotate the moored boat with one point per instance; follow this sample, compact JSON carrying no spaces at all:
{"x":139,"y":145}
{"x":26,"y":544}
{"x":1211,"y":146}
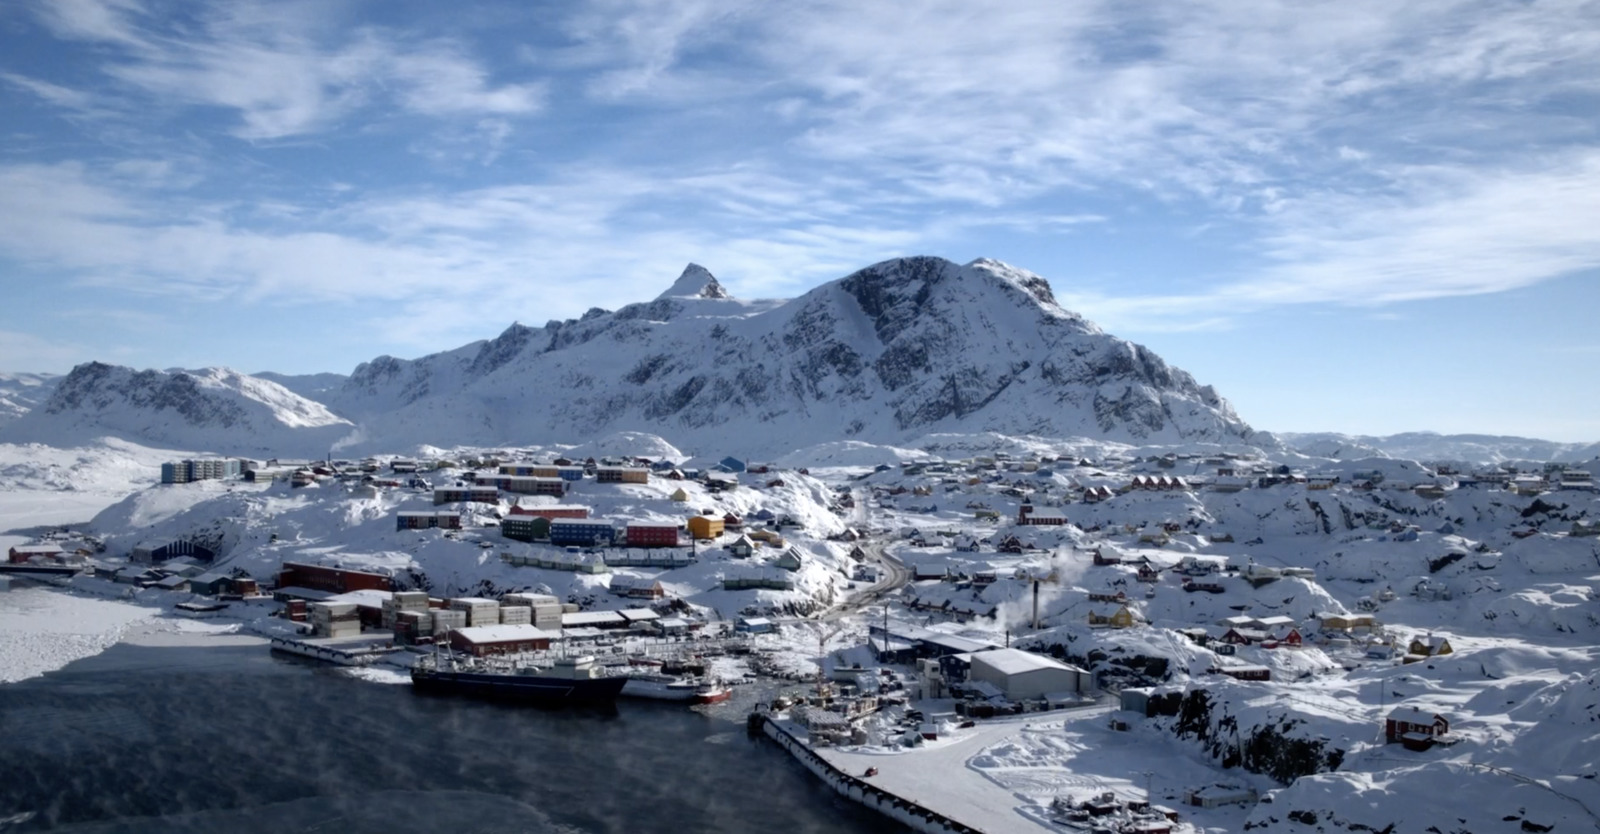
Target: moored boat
{"x":712,"y":692}
{"x":661,"y":687}
{"x":568,"y":680}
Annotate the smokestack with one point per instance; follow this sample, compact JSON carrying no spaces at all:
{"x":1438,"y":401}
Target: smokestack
{"x":1036,"y":605}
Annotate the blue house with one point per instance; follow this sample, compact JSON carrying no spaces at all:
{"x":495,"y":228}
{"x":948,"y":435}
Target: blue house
{"x":731,"y":464}
{"x":568,"y":532}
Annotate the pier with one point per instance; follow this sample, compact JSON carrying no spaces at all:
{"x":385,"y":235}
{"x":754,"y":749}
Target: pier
{"x":931,"y":791}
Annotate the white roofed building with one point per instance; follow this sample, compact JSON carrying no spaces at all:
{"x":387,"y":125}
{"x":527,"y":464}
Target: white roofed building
{"x":1025,"y":675}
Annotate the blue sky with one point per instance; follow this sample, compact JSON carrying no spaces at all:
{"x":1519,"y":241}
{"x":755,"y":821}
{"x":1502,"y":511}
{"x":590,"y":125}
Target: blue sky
{"x":1354,"y":216}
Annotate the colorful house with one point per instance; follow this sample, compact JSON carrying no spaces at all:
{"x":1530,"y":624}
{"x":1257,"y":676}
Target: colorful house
{"x":706,"y":527}
{"x":622,"y":475}
{"x":650,"y":534}
{"x":1415,"y":728}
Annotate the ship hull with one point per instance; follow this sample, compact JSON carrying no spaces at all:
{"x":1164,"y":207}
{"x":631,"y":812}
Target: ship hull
{"x":531,"y":689}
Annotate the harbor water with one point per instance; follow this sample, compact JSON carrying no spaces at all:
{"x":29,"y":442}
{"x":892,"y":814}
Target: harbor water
{"x":238,"y":739}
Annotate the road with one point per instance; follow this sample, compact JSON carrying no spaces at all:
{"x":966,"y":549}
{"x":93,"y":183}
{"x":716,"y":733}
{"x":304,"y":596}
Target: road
{"x":895,"y":573}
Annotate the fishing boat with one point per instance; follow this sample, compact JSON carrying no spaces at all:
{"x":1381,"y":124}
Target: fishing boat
{"x":712,"y":692}
{"x":660,"y":687}
{"x":577,"y":679}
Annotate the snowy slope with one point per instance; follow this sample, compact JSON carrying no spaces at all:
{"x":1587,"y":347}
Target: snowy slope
{"x":889,"y":354}
{"x":21,"y":392}
{"x":311,"y":386}
{"x":213,"y":409}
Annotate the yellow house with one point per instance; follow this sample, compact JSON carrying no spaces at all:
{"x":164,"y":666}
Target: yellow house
{"x":769,"y":537}
{"x":1430,"y":646}
{"x":679,"y":495}
{"x":1123,"y":617}
{"x":705,"y":527}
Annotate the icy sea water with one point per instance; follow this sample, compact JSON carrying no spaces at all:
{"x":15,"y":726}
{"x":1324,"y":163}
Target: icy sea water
{"x":238,"y":740}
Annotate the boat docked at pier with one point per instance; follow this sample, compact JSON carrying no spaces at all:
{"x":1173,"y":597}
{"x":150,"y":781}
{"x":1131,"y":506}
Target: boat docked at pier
{"x":577,"y":679}
{"x":674,"y":688}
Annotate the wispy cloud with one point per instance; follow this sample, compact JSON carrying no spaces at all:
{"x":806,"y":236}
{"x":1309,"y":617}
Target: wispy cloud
{"x":280,"y":69}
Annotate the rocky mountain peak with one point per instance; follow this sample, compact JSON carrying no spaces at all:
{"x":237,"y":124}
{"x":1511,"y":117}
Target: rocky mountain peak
{"x":697,"y":282}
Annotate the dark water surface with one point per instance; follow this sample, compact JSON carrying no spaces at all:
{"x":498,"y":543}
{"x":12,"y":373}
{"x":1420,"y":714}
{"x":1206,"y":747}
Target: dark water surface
{"x":236,"y":739}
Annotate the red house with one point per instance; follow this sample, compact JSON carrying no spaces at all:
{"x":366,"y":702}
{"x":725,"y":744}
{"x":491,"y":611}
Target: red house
{"x":639,"y":534}
{"x":1414,"y":728}
{"x":553,"y":511}
{"x":22,"y":554}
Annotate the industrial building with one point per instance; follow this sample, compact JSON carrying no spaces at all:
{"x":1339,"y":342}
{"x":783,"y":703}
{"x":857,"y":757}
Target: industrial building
{"x":500,"y":639}
{"x":1024,"y":675}
{"x":330,"y":580}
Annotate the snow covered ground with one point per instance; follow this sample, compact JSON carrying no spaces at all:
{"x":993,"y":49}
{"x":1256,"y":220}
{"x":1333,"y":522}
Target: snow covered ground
{"x":1501,"y":576}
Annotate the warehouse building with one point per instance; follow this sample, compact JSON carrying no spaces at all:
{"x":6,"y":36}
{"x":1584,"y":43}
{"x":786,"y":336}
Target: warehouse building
{"x":1025,"y":676}
{"x":500,"y":639}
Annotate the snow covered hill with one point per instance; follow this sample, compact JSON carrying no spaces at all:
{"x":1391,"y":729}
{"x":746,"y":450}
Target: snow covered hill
{"x":22,"y":392}
{"x":891,"y":353}
{"x":213,"y":409}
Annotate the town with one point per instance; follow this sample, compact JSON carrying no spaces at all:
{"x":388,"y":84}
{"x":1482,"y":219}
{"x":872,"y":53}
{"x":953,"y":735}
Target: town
{"x":881,"y":613}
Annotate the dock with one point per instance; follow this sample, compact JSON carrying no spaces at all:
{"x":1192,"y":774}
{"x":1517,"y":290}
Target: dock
{"x":355,"y":650}
{"x":929,"y":790}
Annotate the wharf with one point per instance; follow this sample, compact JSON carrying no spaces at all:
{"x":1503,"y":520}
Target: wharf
{"x":355,"y":650}
{"x":931,"y":790}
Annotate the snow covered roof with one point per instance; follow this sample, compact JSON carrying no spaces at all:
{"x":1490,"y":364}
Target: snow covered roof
{"x":1413,"y":715}
{"x":1017,"y":662}
{"x":504,"y":633}
{"x":586,"y":618}
{"x":368,"y":598}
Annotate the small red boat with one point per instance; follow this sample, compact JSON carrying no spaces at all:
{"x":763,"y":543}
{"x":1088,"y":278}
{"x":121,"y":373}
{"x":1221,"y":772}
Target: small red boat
{"x":712,"y":693}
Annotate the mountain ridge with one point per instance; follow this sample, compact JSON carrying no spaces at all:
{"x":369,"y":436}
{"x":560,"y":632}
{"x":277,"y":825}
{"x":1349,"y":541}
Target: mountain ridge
{"x":895,"y":351}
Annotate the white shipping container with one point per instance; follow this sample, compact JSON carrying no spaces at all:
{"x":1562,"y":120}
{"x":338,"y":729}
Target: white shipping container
{"x":444,"y":620}
{"x":516,"y":615}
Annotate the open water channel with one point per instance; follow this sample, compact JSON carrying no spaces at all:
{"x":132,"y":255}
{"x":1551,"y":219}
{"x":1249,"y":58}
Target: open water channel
{"x":235,"y":739}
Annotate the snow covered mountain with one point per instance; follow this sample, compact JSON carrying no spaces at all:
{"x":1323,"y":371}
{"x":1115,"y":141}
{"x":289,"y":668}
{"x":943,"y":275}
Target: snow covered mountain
{"x":21,"y":393}
{"x":888,"y":354}
{"x":1424,"y":445}
{"x":213,"y":409}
